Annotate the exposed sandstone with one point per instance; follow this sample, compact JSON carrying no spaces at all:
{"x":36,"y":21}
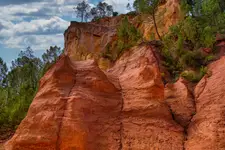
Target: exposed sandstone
{"x":180,"y":101}
{"x":79,"y":107}
{"x":207,"y":128}
{"x":84,"y":40}
{"x":76,"y":107}
{"x":146,"y":120}
{"x":87,"y":40}
{"x":168,"y":14}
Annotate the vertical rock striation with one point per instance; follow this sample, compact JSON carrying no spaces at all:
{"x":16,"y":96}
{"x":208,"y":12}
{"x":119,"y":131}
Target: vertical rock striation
{"x":146,"y":119}
{"x":181,"y":101}
{"x":76,"y":107}
{"x":207,"y":128}
{"x":80,"y":107}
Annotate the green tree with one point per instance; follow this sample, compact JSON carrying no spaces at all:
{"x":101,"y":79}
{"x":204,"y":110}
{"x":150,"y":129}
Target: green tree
{"x":3,"y":73}
{"x":102,"y":10}
{"x":25,"y":69}
{"x":22,"y":84}
{"x":82,"y":9}
{"x":50,"y":57}
{"x":149,"y":7}
{"x":51,"y":54}
{"x":203,"y":20}
{"x":127,"y":34}
{"x":115,"y":13}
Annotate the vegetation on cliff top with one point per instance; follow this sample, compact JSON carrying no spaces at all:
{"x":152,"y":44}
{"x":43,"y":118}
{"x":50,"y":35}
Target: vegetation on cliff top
{"x":127,"y":37}
{"x":184,"y":46}
{"x":102,"y":9}
{"x":185,"y":43}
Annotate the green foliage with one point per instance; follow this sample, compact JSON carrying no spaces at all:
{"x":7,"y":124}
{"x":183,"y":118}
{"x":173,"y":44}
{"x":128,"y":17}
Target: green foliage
{"x":209,"y":58}
{"x":82,"y":10}
{"x":22,"y":83}
{"x":183,"y":44}
{"x":115,"y":14}
{"x":194,"y":76}
{"x":102,"y":10}
{"x":128,"y":35}
{"x":148,"y":7}
{"x":3,"y":72}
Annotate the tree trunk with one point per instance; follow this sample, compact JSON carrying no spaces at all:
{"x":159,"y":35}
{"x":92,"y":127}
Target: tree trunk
{"x":156,"y":28}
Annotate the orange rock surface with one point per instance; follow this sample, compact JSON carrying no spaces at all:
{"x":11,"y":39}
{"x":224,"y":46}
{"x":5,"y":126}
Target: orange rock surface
{"x":181,"y":101}
{"x":207,"y":128}
{"x":80,"y":107}
{"x":87,"y":40}
{"x":76,"y":107}
{"x":146,"y":120}
{"x":168,"y":14}
{"x":127,"y":107}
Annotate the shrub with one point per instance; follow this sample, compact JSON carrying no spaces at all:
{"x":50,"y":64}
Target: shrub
{"x":115,"y":14}
{"x":128,"y":35}
{"x":182,"y":45}
{"x":194,"y":76}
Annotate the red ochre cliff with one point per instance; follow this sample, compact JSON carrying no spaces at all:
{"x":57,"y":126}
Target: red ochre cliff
{"x":126,"y":107}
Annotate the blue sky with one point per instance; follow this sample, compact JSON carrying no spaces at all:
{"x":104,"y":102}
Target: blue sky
{"x":38,"y":24}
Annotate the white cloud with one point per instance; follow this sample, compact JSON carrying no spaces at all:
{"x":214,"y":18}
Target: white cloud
{"x":40,"y":24}
{"x":37,"y":42}
{"x":119,"y":5}
{"x":36,"y":33}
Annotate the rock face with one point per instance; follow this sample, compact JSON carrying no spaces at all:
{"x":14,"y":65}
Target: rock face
{"x":76,"y":107}
{"x":146,"y":119}
{"x":80,"y":107}
{"x":84,"y":40}
{"x":180,"y":101}
{"x":207,"y":128}
{"x":168,"y":14}
{"x":87,"y":40}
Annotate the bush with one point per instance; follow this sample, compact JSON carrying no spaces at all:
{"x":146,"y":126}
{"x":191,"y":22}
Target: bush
{"x":183,"y":44}
{"x":128,"y":35}
{"x":194,"y":76}
{"x":115,"y":14}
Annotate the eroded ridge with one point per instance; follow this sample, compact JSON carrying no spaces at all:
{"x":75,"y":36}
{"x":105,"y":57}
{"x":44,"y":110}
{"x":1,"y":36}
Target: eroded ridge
{"x":207,"y":128}
{"x":76,"y":107}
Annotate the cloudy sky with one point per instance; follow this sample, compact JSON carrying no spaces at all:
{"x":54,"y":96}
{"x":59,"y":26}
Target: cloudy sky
{"x":38,"y":24}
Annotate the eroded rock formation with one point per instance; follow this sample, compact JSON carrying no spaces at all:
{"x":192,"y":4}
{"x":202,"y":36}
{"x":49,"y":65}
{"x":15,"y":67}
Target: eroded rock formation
{"x":181,"y":101}
{"x":87,"y":40}
{"x":168,"y":14}
{"x":207,"y":128}
{"x":146,"y":120}
{"x":84,"y":40}
{"x":76,"y":107}
{"x":127,"y":107}
{"x":80,"y":107}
